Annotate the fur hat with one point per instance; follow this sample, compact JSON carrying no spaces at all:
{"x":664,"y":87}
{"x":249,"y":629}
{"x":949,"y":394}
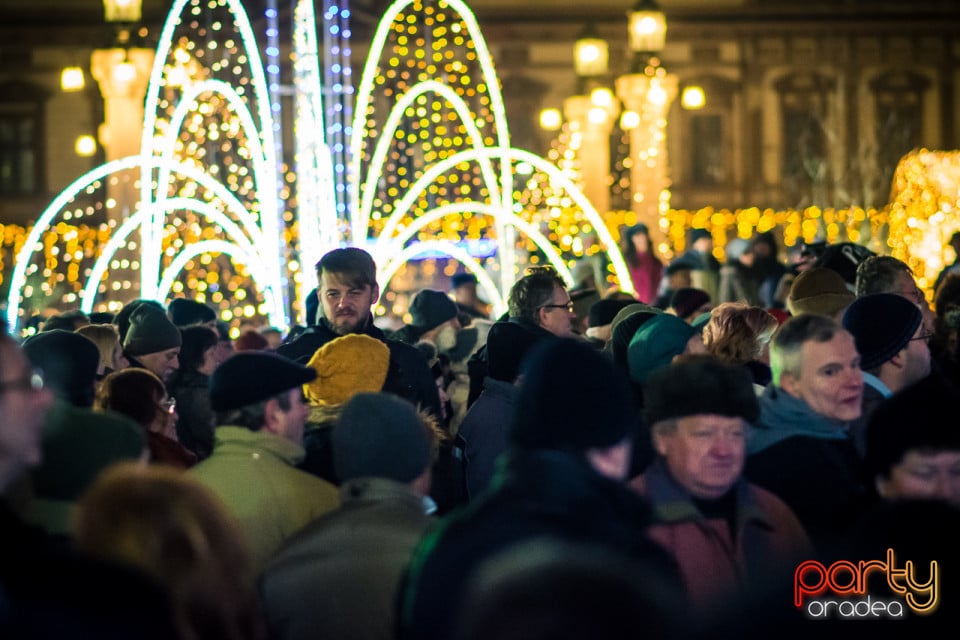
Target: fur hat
{"x":431,"y":308}
{"x":150,"y":332}
{"x":571,"y":398}
{"x":380,"y":435}
{"x":507,"y":344}
{"x":700,"y":385}
{"x":819,"y":290}
{"x":882,"y":324}
{"x":250,"y":377}
{"x":346,"y":366}
{"x":69,"y":362}
{"x":184,"y":312}
{"x":655,"y":344}
{"x":687,"y":300}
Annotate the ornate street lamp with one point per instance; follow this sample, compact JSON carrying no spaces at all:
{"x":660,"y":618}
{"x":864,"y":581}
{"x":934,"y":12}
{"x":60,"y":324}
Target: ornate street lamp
{"x":647,"y":27}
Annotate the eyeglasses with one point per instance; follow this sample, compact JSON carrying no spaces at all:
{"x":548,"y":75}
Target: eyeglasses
{"x":568,"y":306}
{"x":925,"y":336}
{"x":32,"y":382}
{"x":169,"y":405}
{"x":916,"y":295}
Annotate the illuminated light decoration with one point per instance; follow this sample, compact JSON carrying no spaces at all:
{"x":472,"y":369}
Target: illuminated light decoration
{"x":72,"y":79}
{"x":629,"y":120}
{"x":446,"y":184}
{"x":316,"y":203}
{"x":259,"y":243}
{"x":551,"y":119}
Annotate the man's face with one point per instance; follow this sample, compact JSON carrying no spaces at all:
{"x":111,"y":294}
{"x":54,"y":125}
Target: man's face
{"x":917,"y":365}
{"x":705,"y":453}
{"x":23,"y":408}
{"x":346,"y":307}
{"x":557,"y":315}
{"x":924,"y":475}
{"x":906,"y":287}
{"x":162,"y":363}
{"x":291,"y":422}
{"x":830,"y":380}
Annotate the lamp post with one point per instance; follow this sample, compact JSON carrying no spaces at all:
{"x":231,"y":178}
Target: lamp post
{"x":648,"y":91}
{"x":591,"y":114}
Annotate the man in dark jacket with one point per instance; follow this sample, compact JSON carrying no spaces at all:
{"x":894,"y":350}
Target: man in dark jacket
{"x":562,"y":479}
{"x":348,"y":289}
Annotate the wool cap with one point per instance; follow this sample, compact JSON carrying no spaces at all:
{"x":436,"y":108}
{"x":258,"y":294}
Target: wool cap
{"x":381,"y":436}
{"x":507,"y":344}
{"x":460,"y":279}
{"x":250,"y":377}
{"x":602,"y":312}
{"x":251,"y":340}
{"x":701,"y":385}
{"x":699,"y":234}
{"x":687,"y":300}
{"x":150,"y":332}
{"x":69,"y":362}
{"x":882,"y":324}
{"x":655,"y":344}
{"x":622,"y":331}
{"x":571,"y":398}
{"x":346,"y":366}
{"x":431,"y":308}
{"x":819,"y":290}
{"x":184,"y":312}
{"x":122,"y":319}
{"x":736,"y":248}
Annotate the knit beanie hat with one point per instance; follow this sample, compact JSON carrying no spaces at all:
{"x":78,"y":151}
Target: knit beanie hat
{"x":882,"y":324}
{"x":122,"y":319}
{"x":381,"y":436}
{"x":461,"y":279}
{"x":655,"y":344}
{"x":507,"y":344}
{"x":69,"y":362}
{"x":700,"y":385}
{"x":818,"y":290}
{"x":602,"y":312}
{"x":571,"y":398}
{"x":250,"y":377}
{"x":686,"y":301}
{"x":431,"y":308}
{"x":150,"y":332}
{"x":184,"y":312}
{"x":623,"y":330}
{"x":251,"y":340}
{"x":346,"y":366}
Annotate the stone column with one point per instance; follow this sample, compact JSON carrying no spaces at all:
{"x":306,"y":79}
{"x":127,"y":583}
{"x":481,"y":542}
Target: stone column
{"x":593,"y":123}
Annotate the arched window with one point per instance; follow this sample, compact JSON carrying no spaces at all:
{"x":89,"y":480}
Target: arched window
{"x":899,"y":117}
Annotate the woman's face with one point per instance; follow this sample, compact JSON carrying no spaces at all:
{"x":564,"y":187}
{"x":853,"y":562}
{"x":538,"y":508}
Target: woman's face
{"x":641,"y":242}
{"x":210,"y":361}
{"x":119,"y":361}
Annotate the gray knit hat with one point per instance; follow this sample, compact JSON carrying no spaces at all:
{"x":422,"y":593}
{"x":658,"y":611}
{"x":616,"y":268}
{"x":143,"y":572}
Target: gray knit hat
{"x":150,"y":332}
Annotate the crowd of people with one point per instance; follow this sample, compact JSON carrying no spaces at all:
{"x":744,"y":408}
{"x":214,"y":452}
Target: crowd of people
{"x":592,"y":463}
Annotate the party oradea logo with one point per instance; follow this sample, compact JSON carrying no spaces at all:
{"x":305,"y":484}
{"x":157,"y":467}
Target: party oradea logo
{"x":866,"y":590}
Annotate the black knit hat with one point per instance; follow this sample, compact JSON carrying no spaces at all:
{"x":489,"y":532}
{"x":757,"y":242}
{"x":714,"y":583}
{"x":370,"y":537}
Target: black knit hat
{"x":687,"y":300}
{"x":250,"y":377}
{"x":602,"y":312}
{"x":460,"y":279}
{"x":700,"y":385}
{"x":184,"y":312}
{"x":507,"y":344}
{"x":381,"y":436}
{"x":122,"y":319}
{"x":150,"y":332}
{"x":69,"y":362}
{"x":431,"y":308}
{"x":882,"y":324}
{"x":571,"y":398}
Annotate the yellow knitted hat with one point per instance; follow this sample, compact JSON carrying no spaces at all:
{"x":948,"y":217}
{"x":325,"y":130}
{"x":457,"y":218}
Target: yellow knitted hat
{"x":346,"y":366}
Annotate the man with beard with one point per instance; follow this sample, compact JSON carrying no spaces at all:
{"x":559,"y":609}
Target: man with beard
{"x":347,"y":290}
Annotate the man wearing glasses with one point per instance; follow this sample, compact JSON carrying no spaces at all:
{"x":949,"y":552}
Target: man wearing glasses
{"x":538,"y":302}
{"x":891,"y":339}
{"x":23,"y":405}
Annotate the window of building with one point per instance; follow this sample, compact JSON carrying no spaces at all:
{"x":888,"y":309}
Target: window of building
{"x":805,"y":121}
{"x":20,"y":141}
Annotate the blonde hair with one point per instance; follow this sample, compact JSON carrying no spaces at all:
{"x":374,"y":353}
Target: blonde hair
{"x":107,"y":339}
{"x":738,"y":333}
{"x":174,"y":528}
